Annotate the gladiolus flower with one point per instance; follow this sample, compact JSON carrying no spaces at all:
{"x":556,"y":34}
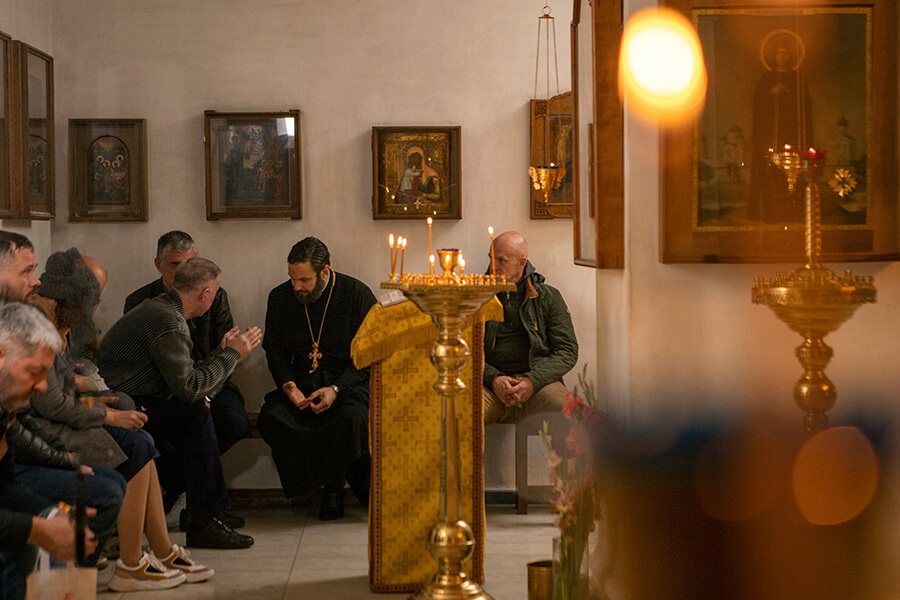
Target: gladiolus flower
{"x":575,"y":403}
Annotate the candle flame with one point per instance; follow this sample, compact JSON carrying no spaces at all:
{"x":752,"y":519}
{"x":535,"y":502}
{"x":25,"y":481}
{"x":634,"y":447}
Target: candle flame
{"x":431,"y":258}
{"x":391,"y":240}
{"x":429,"y":220}
{"x":462,"y":261}
{"x":403,"y":243}
{"x":490,"y":230}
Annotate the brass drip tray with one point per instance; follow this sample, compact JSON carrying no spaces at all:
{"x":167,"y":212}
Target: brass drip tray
{"x":814,"y":298}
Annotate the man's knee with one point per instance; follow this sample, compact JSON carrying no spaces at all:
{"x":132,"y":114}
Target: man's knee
{"x":492,"y":409}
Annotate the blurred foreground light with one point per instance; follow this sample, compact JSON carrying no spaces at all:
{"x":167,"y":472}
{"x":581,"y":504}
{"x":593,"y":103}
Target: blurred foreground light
{"x":662,"y":77}
{"x":738,"y":472}
{"x":835,"y":476}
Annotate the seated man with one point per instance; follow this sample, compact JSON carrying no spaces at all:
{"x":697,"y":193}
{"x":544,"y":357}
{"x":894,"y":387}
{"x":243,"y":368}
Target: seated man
{"x":226,"y":402}
{"x":317,"y":421}
{"x":528,"y":353}
{"x":28,"y":343}
{"x":147,"y":355}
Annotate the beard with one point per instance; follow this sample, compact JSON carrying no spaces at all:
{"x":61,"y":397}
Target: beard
{"x":304,"y":297}
{"x":10,"y":294}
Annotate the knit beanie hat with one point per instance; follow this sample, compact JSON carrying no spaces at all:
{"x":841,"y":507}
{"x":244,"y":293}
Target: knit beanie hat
{"x":66,"y":277}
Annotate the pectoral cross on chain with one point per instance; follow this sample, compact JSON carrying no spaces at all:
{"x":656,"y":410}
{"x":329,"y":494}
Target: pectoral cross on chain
{"x":314,"y":356}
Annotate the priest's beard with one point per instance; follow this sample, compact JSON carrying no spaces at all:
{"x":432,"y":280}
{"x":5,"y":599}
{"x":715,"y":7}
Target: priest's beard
{"x":312,"y":297}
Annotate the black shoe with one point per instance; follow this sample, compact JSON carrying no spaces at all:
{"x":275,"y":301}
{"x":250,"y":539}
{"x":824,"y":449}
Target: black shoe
{"x":217,"y":534}
{"x":332,"y":506}
{"x":233,"y":521}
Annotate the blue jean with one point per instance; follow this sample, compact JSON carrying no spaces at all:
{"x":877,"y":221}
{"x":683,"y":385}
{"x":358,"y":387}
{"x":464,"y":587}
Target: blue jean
{"x":104,"y":490}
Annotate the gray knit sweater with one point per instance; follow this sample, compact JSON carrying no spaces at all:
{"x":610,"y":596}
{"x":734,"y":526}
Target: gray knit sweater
{"x":147,"y":353}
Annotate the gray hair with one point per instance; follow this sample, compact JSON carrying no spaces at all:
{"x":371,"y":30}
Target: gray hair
{"x":194,"y":273}
{"x":174,"y":241}
{"x":23,"y":328}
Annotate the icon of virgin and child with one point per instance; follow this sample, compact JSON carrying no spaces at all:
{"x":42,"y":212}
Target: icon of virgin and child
{"x":419,"y":182}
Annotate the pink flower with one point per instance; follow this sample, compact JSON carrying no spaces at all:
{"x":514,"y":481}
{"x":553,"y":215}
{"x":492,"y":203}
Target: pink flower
{"x":575,"y":403}
{"x":577,"y":441}
{"x":553,"y":459}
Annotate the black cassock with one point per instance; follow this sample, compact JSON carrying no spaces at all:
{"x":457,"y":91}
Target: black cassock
{"x":309,"y":449}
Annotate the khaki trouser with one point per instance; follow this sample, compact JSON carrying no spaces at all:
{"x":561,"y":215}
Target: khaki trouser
{"x":546,"y":402}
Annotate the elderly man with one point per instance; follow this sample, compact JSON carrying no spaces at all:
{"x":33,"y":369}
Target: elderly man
{"x":147,"y":354}
{"x":528,"y":353}
{"x":317,"y":420}
{"x":28,"y":344}
{"x":226,"y":402}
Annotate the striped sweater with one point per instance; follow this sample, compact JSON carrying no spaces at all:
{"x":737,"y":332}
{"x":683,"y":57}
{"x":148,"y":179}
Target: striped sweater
{"x":147,"y":353}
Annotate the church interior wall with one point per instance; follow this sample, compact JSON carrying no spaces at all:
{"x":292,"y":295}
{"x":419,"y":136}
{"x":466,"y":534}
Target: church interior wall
{"x":347,"y":66}
{"x":660,"y":339}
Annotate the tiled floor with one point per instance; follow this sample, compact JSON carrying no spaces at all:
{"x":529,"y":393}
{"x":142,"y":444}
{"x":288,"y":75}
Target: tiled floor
{"x":297,"y":556}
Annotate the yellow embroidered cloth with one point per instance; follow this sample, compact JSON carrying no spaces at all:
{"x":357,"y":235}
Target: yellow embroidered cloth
{"x":404,"y":436}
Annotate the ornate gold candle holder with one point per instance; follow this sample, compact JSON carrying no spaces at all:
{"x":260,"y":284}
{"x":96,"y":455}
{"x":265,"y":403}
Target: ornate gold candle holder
{"x":813,"y":301}
{"x":546,"y":178}
{"x":788,"y":161}
{"x":451,"y":542}
{"x":449,"y":258}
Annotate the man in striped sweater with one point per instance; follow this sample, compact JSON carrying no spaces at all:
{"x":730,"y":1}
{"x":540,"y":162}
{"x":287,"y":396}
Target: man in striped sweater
{"x":147,"y":354}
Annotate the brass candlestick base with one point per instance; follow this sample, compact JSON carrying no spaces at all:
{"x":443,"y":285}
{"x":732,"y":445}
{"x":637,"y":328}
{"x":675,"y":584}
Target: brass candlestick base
{"x":813,"y":301}
{"x":451,"y":540}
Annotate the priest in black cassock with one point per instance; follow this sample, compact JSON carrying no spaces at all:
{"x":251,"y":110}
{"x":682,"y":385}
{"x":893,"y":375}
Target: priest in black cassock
{"x":317,"y":421}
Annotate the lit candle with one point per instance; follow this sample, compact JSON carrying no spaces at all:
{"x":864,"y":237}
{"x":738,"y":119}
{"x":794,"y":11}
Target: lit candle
{"x":393,"y":256}
{"x":402,"y":254}
{"x":429,"y":235}
{"x":462,"y":265}
{"x":431,"y":267}
{"x":491,"y":233}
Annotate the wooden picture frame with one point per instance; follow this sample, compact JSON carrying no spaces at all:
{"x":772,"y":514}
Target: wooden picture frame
{"x":5,"y":154}
{"x":552,"y":141}
{"x":32,"y":176}
{"x":253,"y":165}
{"x":599,"y":140}
{"x":416,"y":173}
{"x":721,"y":199}
{"x":107,"y":170}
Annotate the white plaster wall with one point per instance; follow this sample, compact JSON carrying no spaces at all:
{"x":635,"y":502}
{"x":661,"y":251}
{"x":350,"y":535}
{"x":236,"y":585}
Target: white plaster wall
{"x":347,"y":66}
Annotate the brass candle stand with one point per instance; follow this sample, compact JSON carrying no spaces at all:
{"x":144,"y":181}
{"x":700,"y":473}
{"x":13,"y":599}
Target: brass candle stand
{"x":449,"y":299}
{"x":813,"y":301}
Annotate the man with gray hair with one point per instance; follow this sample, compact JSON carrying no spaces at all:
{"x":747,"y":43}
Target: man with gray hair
{"x":28,"y":345}
{"x":147,"y":355}
{"x":207,"y":330}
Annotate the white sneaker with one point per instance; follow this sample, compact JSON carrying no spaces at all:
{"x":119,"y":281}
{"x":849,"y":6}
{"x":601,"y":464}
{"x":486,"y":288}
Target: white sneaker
{"x":149,"y":574}
{"x":181,"y":560}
